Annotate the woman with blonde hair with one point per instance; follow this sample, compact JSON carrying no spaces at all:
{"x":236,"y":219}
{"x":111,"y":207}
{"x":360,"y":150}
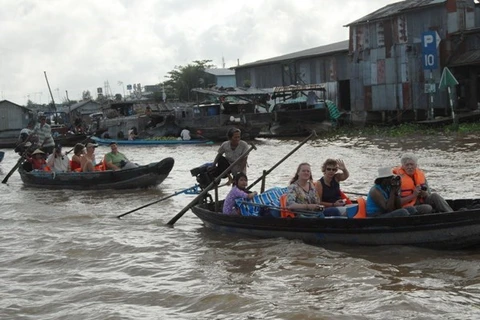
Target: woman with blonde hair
{"x":301,"y":193}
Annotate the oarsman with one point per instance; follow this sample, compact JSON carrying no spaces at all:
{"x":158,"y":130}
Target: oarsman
{"x":44,"y":133}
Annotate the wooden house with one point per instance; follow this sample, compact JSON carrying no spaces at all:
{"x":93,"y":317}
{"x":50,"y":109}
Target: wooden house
{"x":13,"y":117}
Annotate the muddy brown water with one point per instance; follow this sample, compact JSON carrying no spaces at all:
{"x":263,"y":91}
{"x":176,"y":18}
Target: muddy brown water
{"x":64,"y":255}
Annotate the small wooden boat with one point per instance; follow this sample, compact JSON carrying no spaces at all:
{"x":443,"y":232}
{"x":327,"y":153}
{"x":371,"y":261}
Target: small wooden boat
{"x":70,"y":139}
{"x":453,"y":230}
{"x":143,"y":142}
{"x":141,"y":177}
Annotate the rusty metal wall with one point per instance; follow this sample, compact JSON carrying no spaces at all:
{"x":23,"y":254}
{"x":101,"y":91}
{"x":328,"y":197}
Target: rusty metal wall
{"x":13,"y":117}
{"x":387,"y":63}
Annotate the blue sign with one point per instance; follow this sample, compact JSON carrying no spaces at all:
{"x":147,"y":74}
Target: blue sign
{"x":430,"y":41}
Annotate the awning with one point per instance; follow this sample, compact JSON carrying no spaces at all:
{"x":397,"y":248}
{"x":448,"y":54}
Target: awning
{"x":467,"y":58}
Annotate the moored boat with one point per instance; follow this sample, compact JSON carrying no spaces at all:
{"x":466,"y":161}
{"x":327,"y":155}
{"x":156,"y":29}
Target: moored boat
{"x":299,"y":109}
{"x":141,"y":177}
{"x":452,"y":230}
{"x":149,"y":142}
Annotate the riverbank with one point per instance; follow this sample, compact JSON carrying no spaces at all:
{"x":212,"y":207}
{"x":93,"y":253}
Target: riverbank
{"x":403,"y":130}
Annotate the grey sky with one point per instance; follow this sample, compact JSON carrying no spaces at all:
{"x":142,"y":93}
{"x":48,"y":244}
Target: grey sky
{"x":82,"y":44}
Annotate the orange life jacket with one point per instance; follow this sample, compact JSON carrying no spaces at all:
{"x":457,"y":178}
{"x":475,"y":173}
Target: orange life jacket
{"x":74,"y":166}
{"x":344,"y":197}
{"x":409,"y":183}
{"x":101,"y":166}
{"x":362,"y":208}
{"x":284,"y":212}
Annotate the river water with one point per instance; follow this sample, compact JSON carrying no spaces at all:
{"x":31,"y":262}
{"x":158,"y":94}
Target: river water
{"x":65,"y":255}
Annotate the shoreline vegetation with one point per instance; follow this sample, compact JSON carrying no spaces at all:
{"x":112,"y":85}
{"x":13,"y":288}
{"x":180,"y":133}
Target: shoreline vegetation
{"x":403,"y":130}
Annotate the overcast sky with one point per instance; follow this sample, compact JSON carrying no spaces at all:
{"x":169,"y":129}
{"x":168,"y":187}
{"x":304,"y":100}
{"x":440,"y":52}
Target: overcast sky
{"x":83,"y":44}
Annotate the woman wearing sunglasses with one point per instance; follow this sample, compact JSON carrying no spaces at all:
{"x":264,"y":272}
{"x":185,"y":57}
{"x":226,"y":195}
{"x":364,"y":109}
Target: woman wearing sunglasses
{"x":328,"y":187}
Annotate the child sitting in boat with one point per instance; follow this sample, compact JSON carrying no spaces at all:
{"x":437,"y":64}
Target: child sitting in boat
{"x":240,"y":182}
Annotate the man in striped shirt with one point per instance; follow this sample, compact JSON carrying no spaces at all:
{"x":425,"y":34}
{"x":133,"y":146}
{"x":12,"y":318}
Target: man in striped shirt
{"x":44,"y":133}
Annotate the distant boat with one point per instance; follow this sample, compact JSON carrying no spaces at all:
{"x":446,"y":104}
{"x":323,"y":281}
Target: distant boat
{"x":144,"y":142}
{"x":223,"y":108}
{"x":299,"y":108}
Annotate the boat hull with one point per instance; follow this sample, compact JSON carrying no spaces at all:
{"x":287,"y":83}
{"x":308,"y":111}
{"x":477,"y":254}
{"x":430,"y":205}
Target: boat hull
{"x":142,"y":177}
{"x":455,"y":230}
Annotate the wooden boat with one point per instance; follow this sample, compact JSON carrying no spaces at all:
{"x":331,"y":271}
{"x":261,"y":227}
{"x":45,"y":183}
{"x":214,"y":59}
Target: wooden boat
{"x":223,"y":108}
{"x":70,"y":139}
{"x":143,"y":142}
{"x":299,"y":109}
{"x":453,"y":230}
{"x":142,"y":177}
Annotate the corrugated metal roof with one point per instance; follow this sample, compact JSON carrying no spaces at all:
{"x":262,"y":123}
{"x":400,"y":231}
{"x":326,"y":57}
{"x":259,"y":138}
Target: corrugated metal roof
{"x":395,"y":9}
{"x":467,"y":58}
{"x":14,"y":104}
{"x":317,"y":51}
{"x":231,"y":91}
{"x":221,"y":72}
{"x":81,"y":104}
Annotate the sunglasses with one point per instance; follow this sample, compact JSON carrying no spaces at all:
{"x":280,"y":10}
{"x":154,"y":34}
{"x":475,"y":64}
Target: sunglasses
{"x":331,"y":169}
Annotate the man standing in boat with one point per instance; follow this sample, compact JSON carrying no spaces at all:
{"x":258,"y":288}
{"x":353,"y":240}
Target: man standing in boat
{"x":44,"y":133}
{"x":233,"y":149}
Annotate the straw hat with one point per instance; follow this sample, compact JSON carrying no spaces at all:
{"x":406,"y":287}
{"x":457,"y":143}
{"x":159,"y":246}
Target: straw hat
{"x":38,"y":151}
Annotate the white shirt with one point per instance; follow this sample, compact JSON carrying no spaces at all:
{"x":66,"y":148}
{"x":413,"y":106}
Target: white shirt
{"x":58,"y":163}
{"x":185,"y":134}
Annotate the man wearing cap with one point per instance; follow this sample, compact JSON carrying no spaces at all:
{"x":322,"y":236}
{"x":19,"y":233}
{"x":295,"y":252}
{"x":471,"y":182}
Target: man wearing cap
{"x":44,"y":133}
{"x":384,"y":199}
{"x":57,"y":161}
{"x":115,"y":160}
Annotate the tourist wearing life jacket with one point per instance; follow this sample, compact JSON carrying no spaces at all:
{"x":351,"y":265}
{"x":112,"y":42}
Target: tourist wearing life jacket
{"x":76,"y":162}
{"x":37,"y":160}
{"x":415,"y":190}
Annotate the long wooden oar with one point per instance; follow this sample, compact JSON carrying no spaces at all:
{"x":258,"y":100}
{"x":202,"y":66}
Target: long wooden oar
{"x":15,"y":167}
{"x":356,"y":193}
{"x":157,"y":201}
{"x":313,"y":134}
{"x":210,"y":186}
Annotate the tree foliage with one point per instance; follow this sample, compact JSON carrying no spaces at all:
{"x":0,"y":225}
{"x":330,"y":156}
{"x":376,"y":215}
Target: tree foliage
{"x":86,"y":95}
{"x":184,"y":78}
